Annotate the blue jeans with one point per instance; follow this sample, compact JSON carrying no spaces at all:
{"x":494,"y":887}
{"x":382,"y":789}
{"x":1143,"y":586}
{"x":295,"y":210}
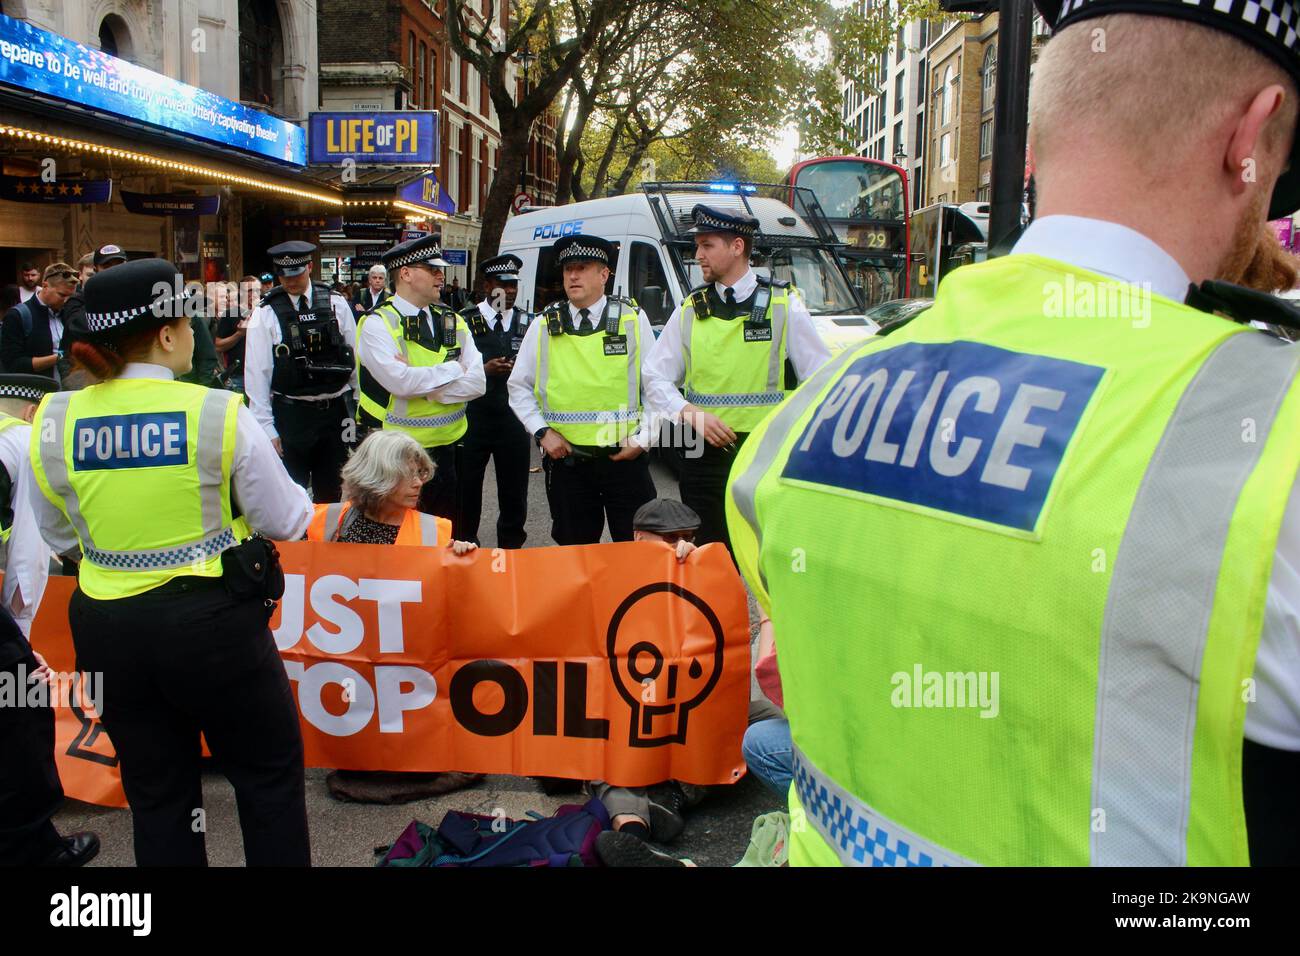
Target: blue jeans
{"x":767,"y":751}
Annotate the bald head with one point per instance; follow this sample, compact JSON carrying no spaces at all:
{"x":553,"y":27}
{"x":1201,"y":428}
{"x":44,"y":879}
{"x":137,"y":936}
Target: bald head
{"x":1147,"y":120}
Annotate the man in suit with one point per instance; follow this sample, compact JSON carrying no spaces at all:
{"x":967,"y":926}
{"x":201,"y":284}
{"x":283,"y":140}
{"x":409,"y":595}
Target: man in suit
{"x":375,"y":293}
{"x":32,"y":332}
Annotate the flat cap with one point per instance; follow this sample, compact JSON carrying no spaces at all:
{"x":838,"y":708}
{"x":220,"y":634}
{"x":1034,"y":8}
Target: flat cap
{"x":663,"y":515}
{"x":710,"y":219}
{"x":503,"y":268}
{"x":582,"y":248}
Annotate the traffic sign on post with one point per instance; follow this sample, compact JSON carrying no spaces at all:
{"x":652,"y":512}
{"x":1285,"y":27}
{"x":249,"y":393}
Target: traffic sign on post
{"x":520,"y":201}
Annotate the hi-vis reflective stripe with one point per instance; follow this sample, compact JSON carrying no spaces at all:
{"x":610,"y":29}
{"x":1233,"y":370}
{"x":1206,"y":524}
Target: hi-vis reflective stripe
{"x":428,"y":529}
{"x":217,"y":536}
{"x":745,"y":486}
{"x":858,"y":834}
{"x":432,"y":421}
{"x":633,"y":380}
{"x":592,"y":418}
{"x":334,"y":521}
{"x":734,"y":401}
{"x":333,"y":518}
{"x":1161,"y":596}
{"x":780,"y":309}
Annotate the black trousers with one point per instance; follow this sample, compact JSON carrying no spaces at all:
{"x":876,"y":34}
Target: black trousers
{"x":496,"y":434}
{"x":313,"y":435}
{"x":177,"y":661}
{"x":704,"y":488}
{"x":30,"y":791}
{"x":441,"y":494}
{"x":584,"y":492}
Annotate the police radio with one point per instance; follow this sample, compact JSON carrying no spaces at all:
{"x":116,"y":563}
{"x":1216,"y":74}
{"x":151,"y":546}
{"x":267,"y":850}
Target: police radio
{"x":523,"y":319}
{"x":614,"y":343}
{"x":758,"y":327}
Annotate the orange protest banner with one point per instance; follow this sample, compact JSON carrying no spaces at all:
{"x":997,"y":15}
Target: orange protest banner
{"x":607,"y":662}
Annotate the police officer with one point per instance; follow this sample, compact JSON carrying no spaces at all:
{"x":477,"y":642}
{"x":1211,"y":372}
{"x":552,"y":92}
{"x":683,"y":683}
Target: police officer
{"x":419,"y":366}
{"x":1079,"y":491}
{"x":159,"y":481}
{"x":726,"y":347}
{"x":498,"y":326}
{"x":30,"y":791}
{"x":300,"y":369}
{"x":576,"y":387}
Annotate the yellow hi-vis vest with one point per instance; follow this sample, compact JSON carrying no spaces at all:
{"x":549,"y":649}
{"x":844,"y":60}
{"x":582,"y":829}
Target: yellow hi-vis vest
{"x":589,"y":386}
{"x":142,"y":469}
{"x":6,"y":527}
{"x":735,"y":368}
{"x":1072,"y":523}
{"x":428,"y":422}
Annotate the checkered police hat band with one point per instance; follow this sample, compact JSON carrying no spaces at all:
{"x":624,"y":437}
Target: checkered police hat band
{"x":1280,"y":19}
{"x":705,"y":221}
{"x":26,"y":393}
{"x":99,"y":321}
{"x":423,"y":255}
{"x":285,"y":262}
{"x":579,"y":251}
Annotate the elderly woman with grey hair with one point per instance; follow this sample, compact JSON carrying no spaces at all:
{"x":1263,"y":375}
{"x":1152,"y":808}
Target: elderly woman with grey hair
{"x":381,"y":491}
{"x":381,"y":488}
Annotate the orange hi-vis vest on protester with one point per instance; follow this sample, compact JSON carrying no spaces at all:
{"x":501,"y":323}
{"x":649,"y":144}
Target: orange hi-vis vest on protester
{"x":417,"y":528}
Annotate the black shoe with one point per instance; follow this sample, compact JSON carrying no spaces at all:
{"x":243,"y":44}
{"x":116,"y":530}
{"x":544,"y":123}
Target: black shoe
{"x":555,"y":786}
{"x":666,"y":804}
{"x":77,"y":850}
{"x":616,"y":848}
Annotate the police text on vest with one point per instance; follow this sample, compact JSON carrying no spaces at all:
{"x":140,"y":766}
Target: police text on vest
{"x":145,"y":440}
{"x":959,"y":427}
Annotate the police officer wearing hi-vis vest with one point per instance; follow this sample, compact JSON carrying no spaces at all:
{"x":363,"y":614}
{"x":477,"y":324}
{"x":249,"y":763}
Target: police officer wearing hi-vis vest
{"x":726,"y":347}
{"x":1074,"y":639}
{"x":499,"y":327}
{"x":576,"y":387}
{"x":163,"y":485}
{"x":299,"y":369}
{"x":419,"y":367}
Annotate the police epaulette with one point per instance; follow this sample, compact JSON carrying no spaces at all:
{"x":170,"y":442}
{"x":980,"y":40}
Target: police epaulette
{"x":774,"y":283}
{"x":1242,"y":304}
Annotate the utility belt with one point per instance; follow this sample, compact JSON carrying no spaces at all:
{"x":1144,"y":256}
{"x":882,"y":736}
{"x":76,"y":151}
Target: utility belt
{"x":590,"y":453}
{"x":317,"y":400}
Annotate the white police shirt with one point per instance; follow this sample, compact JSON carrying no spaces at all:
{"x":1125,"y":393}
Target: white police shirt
{"x":449,"y":383}
{"x":491,"y":315}
{"x":27,"y":565}
{"x":267,"y":497}
{"x":523,"y":402}
{"x":263,"y":335}
{"x":664,"y":369}
{"x":1273,"y":719}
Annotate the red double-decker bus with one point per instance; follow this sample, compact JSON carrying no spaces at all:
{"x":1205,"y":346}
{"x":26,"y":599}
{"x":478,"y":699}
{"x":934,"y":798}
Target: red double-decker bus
{"x":865,"y":200}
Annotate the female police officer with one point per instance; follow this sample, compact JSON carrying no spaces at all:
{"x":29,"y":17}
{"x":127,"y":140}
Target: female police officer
{"x":159,"y":481}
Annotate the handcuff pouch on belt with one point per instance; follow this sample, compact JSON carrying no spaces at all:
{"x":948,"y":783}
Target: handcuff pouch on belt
{"x":252,"y":571}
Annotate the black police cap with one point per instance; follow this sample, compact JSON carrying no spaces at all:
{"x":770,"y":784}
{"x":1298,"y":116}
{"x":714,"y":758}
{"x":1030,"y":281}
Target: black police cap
{"x":107,"y":254}
{"x":291,"y":258}
{"x":27,"y":388}
{"x":1270,"y":26}
{"x":144,"y":290}
{"x":426,"y":249}
{"x":503,"y":268}
{"x":582,"y":248}
{"x":711,"y":219}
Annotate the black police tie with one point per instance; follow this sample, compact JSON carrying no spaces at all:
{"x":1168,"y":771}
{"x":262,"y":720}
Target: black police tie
{"x":420,"y":319}
{"x":500,"y":326}
{"x":586,"y":320}
{"x":731,"y":298}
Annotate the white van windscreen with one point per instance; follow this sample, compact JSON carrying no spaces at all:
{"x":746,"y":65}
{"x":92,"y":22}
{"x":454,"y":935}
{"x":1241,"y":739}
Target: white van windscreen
{"x":809,"y":269}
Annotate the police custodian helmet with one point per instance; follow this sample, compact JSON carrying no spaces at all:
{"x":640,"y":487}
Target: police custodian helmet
{"x":1270,"y":26}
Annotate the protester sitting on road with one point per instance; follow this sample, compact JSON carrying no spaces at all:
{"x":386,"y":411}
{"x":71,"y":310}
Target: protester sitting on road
{"x":639,"y":814}
{"x":381,"y":488}
{"x":767,"y":747}
{"x":381,"y":491}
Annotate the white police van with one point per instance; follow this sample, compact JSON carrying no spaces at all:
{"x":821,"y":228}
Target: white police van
{"x":656,"y":255}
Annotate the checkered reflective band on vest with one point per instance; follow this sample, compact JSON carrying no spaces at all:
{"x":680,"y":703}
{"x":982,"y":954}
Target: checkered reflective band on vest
{"x":589,"y":386}
{"x":735,"y":368}
{"x":429,"y":422}
{"x":858,"y":834}
{"x":10,"y":481}
{"x":142,"y":470}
